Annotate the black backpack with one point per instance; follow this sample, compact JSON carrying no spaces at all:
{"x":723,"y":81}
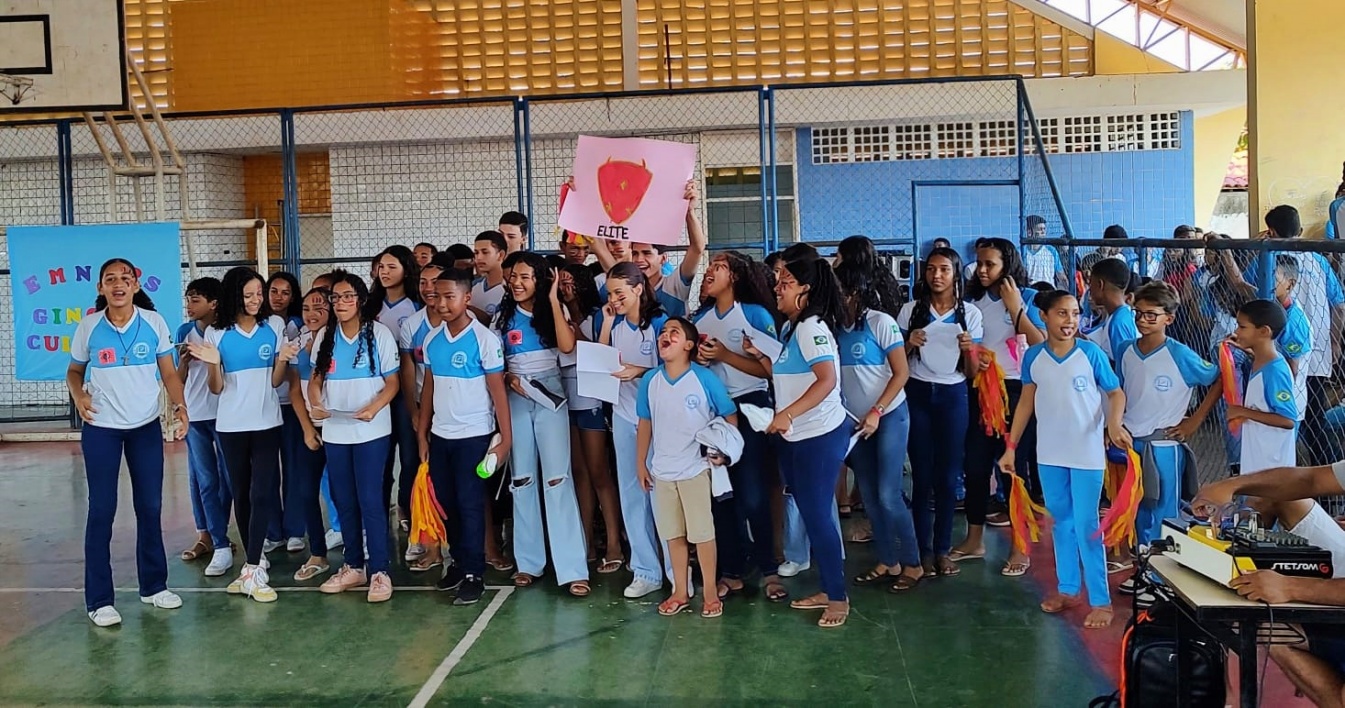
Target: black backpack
{"x":1150,"y":677}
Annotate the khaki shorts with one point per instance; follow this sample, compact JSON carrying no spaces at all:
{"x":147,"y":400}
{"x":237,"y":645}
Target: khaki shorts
{"x":682,"y":509}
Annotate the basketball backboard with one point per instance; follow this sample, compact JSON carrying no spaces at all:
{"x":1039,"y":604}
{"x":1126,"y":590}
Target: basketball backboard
{"x":62,"y":55}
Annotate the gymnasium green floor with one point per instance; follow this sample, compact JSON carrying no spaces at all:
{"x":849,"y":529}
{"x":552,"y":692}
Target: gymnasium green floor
{"x":974,"y":640}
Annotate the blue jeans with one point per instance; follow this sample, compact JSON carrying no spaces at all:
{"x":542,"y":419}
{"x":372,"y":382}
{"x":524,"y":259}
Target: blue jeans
{"x":357,"y":487}
{"x":461,"y":495}
{"x":287,"y":515}
{"x":402,"y":448}
{"x":811,"y":468}
{"x":1149,"y":517}
{"x":1071,"y":498}
{"x":103,"y":449}
{"x":637,"y":509}
{"x":541,"y":457}
{"x":796,"y":546}
{"x":938,"y":445}
{"x":878,"y":463}
{"x":308,"y":473}
{"x":211,"y":497}
{"x":744,"y":530}
{"x":252,"y":458}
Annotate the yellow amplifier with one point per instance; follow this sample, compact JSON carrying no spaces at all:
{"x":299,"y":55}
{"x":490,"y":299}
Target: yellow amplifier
{"x":1224,"y":555}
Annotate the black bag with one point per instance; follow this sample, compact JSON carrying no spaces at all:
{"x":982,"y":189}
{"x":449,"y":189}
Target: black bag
{"x":1149,"y":668}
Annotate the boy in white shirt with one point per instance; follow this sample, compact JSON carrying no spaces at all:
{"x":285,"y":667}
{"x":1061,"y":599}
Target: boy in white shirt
{"x":680,"y":398}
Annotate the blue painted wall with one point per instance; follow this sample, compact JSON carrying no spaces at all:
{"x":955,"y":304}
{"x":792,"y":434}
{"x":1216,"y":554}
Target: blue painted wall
{"x":1147,"y":191}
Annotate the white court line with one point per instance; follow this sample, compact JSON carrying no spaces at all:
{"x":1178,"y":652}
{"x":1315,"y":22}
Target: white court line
{"x":193,"y":591}
{"x":478,"y":627}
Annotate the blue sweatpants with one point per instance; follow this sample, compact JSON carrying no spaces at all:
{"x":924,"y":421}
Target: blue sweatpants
{"x":1072,"y":497}
{"x":356,"y":476}
{"x":1171,"y":465}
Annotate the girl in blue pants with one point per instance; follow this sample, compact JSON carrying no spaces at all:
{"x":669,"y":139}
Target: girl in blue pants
{"x":1064,"y":381}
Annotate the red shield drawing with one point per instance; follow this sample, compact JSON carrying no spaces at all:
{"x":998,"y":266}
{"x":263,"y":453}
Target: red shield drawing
{"x":107,"y":356}
{"x":514,"y":337}
{"x":622,"y":186}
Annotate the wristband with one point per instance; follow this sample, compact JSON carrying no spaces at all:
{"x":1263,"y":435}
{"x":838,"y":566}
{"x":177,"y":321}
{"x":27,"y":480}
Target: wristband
{"x":879,"y":409}
{"x":1010,"y":445}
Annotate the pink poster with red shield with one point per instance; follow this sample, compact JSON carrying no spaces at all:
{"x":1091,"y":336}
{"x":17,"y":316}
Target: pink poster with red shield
{"x":629,"y":189}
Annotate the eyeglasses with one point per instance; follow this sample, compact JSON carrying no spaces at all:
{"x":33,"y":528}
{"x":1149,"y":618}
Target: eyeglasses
{"x":1148,"y":316}
{"x":342,"y":297}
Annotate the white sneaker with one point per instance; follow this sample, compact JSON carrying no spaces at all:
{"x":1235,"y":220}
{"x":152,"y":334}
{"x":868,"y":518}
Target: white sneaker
{"x":639,"y":588}
{"x":256,"y":584}
{"x":105,"y":616}
{"x":266,"y":563}
{"x":269,"y":545}
{"x":220,"y":563}
{"x":164,"y":600}
{"x":414,"y":552}
{"x":789,"y":569}
{"x":334,"y":540}
{"x":294,"y":545}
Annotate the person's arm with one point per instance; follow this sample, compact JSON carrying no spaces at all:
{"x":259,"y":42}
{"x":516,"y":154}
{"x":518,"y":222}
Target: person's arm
{"x":280,"y":371}
{"x":605,"y":333}
{"x":644,"y":434}
{"x":598,"y":247}
{"x":901,"y":372}
{"x":391,"y":385}
{"x":500,"y":399}
{"x":312,"y":439}
{"x":1028,"y":323}
{"x":696,"y":239}
{"x":1116,"y":408}
{"x":74,"y":380}
{"x":1278,"y":484}
{"x":426,"y":415}
{"x":407,"y":374}
{"x":1022,"y":413}
{"x":565,"y":340}
{"x":1272,"y":588}
{"x":1273,"y":420}
{"x":749,"y":365}
{"x":766,"y":365}
{"x":824,"y":375}
{"x":183,"y":361}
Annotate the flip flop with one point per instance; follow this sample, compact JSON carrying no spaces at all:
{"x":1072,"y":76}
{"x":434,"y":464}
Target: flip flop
{"x":523,"y":580}
{"x":670,"y":607}
{"x":947,"y":568}
{"x":1014,"y":570}
{"x":712,"y":609}
{"x":421,"y":564}
{"x":873,"y":576}
{"x":580,"y":588}
{"x":310,"y":570}
{"x":610,"y":565}
{"x":1119,"y":566}
{"x":809,"y":603}
{"x":824,"y":623}
{"x":904,"y":583}
{"x":197,"y":550}
{"x":503,"y":565}
{"x":776,"y":592}
{"x":724,"y":591}
{"x":956,"y":556}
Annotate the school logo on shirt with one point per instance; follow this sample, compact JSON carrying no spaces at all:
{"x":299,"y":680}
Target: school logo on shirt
{"x":1163,"y":383}
{"x":857,"y":350}
{"x":646,"y":348}
{"x":491,"y":309}
{"x":692,"y":401}
{"x":784,"y":356}
{"x":1081,"y":383}
{"x":1284,"y":396}
{"x":514,"y":337}
{"x":141,"y":350}
{"x":736,"y":336}
{"x":459,"y":360}
{"x":264,"y":352}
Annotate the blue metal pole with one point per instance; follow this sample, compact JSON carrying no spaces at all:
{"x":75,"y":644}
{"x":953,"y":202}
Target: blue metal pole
{"x":289,"y":217}
{"x":527,"y":167}
{"x":66,"y":172}
{"x":518,"y":153}
{"x":1265,"y":282}
{"x":767,"y":165}
{"x":775,"y":192}
{"x":1022,"y":186}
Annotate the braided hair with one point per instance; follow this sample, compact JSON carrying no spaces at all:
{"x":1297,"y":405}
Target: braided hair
{"x":824,"y":294}
{"x":1012,"y":268}
{"x":543,"y":321}
{"x":366,"y":336}
{"x":649,"y":304}
{"x":140,"y":299}
{"x":231,"y":298}
{"x":921,"y":315}
{"x":861,"y":251}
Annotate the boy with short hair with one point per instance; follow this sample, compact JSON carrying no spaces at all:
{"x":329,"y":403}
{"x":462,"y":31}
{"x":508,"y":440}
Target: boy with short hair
{"x":514,"y":227}
{"x":677,"y":400}
{"x":1108,"y":284}
{"x":411,"y":342}
{"x":461,"y":257}
{"x":211,"y":499}
{"x":1268,"y":414}
{"x":1295,"y":342}
{"x":462,"y":404}
{"x":488,"y":290}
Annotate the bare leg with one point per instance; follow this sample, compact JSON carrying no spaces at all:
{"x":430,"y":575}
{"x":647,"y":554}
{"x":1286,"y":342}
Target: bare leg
{"x":706,"y":554}
{"x":680,"y":552}
{"x":583,"y":489}
{"x":1317,"y":679}
{"x":600,"y":476}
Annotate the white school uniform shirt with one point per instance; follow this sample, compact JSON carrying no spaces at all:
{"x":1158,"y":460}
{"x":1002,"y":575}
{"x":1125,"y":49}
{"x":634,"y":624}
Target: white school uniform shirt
{"x":1042,"y":263}
{"x":1069,"y":403}
{"x":864,"y":368}
{"x":678,"y":409}
{"x":303,"y":364}
{"x":807,"y":343}
{"x":1158,"y":385}
{"x":122,"y":366}
{"x":411,"y":340}
{"x":569,"y":369}
{"x":638,"y":347}
{"x":459,"y":364}
{"x":350,"y":385}
{"x":1000,"y":333}
{"x":394,"y":314}
{"x":937,"y":361}
{"x":1269,"y":388}
{"x":729,"y":328}
{"x":1114,"y":331}
{"x":524,"y":351}
{"x":248,"y":401}
{"x":487,"y":299}
{"x":201,"y":403}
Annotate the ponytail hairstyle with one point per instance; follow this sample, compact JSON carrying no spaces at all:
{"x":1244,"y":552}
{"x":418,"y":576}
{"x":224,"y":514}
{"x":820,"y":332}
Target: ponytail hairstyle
{"x":366,"y":336}
{"x":410,"y":276}
{"x":296,"y":306}
{"x":543,"y":321}
{"x":649,"y":304}
{"x":855,"y":285}
{"x":751,"y":284}
{"x":1013,"y":268}
{"x":824,"y":294}
{"x":231,"y":297}
{"x":140,"y":299}
{"x":921,"y":315}
{"x":861,"y":251}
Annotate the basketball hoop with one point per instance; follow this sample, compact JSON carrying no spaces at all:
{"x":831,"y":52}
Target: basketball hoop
{"x":15,"y":88}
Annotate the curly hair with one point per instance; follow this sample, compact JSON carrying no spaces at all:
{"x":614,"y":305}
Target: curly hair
{"x":649,"y":304}
{"x":861,"y":251}
{"x":921,"y":315}
{"x":751,"y":284}
{"x":1008,"y":257}
{"x":543,"y":321}
{"x":140,"y":299}
{"x":366,"y":336}
{"x":231,"y":297}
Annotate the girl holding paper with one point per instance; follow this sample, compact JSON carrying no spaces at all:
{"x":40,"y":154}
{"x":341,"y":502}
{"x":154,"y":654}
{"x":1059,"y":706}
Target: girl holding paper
{"x":738,"y":306}
{"x":1011,"y":324}
{"x":588,"y":424}
{"x":531,"y":323}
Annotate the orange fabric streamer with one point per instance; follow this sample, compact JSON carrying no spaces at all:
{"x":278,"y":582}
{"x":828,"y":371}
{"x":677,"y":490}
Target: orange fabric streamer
{"x":992,"y":396}
{"x":1118,"y":524}
{"x":1229,"y":374}
{"x":1023,"y":514}
{"x":427,"y":515}
{"x":1079,"y":285}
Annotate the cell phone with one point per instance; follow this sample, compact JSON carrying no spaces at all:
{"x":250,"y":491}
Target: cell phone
{"x":704,"y":338}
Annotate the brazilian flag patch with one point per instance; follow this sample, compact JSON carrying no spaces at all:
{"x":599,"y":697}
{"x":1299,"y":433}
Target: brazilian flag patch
{"x":820,"y":341}
{"x":1294,"y":348}
{"x":1284,"y":396}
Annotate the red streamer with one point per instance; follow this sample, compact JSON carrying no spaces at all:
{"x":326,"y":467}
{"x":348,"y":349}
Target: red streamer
{"x":427,"y":515}
{"x":992,"y":396}
{"x":1232,"y":391}
{"x":1117,"y":528}
{"x":1023,"y":514}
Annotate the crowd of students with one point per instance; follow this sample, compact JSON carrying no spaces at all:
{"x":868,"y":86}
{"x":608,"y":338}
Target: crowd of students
{"x":736,"y":420}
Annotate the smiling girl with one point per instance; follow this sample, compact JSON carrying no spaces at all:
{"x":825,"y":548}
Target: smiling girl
{"x":396,"y":296}
{"x":287,"y":520}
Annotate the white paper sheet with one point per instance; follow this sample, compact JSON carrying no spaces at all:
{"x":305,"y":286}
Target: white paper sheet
{"x":542,"y":395}
{"x":594,"y":368}
{"x":766,"y":344}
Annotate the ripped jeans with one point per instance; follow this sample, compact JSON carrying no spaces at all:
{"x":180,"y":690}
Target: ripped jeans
{"x":541,"y":456}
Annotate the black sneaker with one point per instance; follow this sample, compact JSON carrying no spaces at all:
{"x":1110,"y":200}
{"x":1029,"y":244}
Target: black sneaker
{"x":470,"y":590}
{"x":453,"y":577}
